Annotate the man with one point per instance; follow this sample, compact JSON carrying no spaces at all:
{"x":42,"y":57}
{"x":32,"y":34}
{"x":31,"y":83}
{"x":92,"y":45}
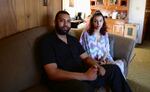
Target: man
{"x":69,"y":68}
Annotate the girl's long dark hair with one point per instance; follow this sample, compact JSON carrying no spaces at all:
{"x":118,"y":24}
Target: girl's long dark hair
{"x":91,"y":26}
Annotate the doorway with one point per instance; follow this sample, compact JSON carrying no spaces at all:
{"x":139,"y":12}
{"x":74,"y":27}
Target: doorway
{"x":146,"y":35}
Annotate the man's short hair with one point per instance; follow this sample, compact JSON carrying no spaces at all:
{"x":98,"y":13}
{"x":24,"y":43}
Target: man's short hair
{"x":60,"y":12}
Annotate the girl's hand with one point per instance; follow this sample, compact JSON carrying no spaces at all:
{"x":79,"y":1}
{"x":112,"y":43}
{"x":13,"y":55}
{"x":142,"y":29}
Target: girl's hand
{"x":101,"y":70}
{"x":102,"y":62}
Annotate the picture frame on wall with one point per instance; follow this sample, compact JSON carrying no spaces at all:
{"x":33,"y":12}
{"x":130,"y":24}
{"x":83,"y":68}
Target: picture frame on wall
{"x":92,"y":2}
{"x":71,"y":3}
{"x":130,"y":31}
{"x":99,"y":2}
{"x":118,"y":29}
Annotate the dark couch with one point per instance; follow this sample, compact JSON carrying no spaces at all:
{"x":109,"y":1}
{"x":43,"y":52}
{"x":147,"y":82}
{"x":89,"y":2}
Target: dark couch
{"x":19,"y":66}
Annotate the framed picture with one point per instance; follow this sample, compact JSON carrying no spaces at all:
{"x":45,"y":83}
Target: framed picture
{"x":92,"y":2}
{"x":130,"y":31}
{"x":71,"y":3}
{"x":118,"y":29}
{"x":99,"y":2}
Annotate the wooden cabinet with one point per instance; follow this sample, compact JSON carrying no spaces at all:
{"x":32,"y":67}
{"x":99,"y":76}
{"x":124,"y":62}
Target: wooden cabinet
{"x":120,"y":5}
{"x":115,"y":26}
{"x":19,"y":15}
{"x":109,"y":6}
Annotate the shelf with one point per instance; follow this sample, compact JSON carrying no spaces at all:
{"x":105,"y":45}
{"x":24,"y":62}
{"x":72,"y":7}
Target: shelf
{"x":119,"y":8}
{"x":121,"y":5}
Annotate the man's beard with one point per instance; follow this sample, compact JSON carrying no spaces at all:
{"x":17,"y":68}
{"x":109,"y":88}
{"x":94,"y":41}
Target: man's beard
{"x":61,"y":30}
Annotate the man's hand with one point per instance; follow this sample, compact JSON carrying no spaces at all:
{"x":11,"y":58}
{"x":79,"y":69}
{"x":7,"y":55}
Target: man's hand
{"x":101,"y":71}
{"x":93,"y":63}
{"x":91,"y":73}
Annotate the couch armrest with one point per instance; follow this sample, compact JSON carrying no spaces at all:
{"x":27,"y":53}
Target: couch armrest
{"x":123,"y":48}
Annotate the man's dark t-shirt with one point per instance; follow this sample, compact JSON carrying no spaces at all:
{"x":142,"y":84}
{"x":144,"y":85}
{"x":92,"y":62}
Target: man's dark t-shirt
{"x":66,"y":56}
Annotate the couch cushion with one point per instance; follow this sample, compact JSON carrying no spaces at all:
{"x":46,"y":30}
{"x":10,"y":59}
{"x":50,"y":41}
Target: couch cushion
{"x":76,"y":32}
{"x":18,"y":66}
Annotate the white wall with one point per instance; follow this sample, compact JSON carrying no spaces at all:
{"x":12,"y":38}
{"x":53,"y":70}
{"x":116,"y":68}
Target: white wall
{"x":136,"y":15}
{"x":66,"y":7}
{"x":79,"y":6}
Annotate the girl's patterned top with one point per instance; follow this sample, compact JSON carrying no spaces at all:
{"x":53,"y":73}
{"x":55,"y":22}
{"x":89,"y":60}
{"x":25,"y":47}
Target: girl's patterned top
{"x":97,"y":49}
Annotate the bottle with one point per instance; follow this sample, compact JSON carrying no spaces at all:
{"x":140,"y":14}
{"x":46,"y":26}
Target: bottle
{"x":114,"y":14}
